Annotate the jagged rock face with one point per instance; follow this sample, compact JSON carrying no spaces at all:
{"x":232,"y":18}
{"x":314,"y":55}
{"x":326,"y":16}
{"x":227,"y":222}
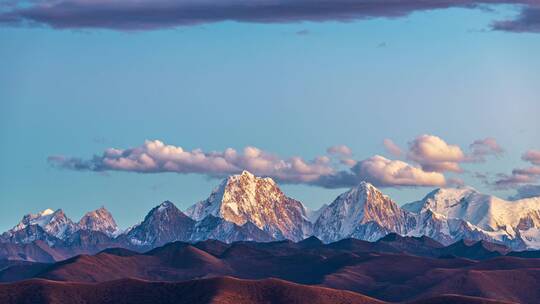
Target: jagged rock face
{"x":364,"y":213}
{"x":33,"y":252}
{"x":215,"y":228}
{"x":165,"y":223}
{"x":54,"y":223}
{"x":530,"y":219}
{"x":29,"y":234}
{"x":246,"y":198}
{"x":99,"y":220}
{"x":88,"y":241}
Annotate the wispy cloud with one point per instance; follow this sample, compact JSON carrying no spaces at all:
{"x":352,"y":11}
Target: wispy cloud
{"x":157,"y":14}
{"x":484,"y":147}
{"x":303,"y":32}
{"x":521,"y":176}
{"x":342,"y":150}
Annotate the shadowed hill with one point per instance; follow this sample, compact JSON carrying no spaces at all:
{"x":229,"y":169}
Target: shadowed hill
{"x":223,"y":290}
{"x":384,"y":270}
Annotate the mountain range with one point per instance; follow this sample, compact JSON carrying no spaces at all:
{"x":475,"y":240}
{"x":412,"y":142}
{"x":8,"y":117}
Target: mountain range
{"x":248,"y":208}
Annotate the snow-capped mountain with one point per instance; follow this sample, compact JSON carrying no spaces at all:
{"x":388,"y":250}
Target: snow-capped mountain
{"x":163,"y":224}
{"x":364,"y":213}
{"x":55,"y":223}
{"x":446,"y":215}
{"x":54,"y":226}
{"x":99,"y":220}
{"x":249,"y":208}
{"x":515,"y":223}
{"x":445,"y":230}
{"x":27,"y":235}
{"x":245,"y":198}
{"x":485,"y":211}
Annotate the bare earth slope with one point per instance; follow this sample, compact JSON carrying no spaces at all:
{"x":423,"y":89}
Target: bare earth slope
{"x":379,"y":270}
{"x":224,"y":290}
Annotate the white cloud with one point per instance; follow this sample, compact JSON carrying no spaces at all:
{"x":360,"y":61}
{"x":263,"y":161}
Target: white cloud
{"x":433,"y":154}
{"x":155,"y":156}
{"x":385,"y":172}
{"x":339,"y":150}
{"x":349,"y":162}
{"x":532,"y":156}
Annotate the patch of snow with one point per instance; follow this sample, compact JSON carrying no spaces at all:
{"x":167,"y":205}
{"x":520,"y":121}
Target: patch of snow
{"x":531,"y":237}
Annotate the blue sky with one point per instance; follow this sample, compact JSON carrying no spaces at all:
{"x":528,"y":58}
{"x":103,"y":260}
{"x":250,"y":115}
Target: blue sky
{"x":214,"y":86}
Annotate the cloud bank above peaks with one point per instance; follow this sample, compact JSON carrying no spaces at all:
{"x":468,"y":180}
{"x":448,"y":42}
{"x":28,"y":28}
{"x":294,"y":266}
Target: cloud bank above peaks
{"x":428,"y":158}
{"x":155,"y":156}
{"x":158,"y":14}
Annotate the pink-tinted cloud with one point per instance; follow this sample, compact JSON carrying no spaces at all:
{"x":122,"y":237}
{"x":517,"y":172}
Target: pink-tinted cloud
{"x":392,"y":148}
{"x":432,"y":153}
{"x":484,"y":147}
{"x":514,"y":180}
{"x":521,"y":176}
{"x":532,"y":156}
{"x":155,"y":156}
{"x":384,"y":172}
{"x":349,"y":162}
{"x":341,"y":150}
{"x":435,"y":154}
{"x":527,"y":171}
{"x":518,"y":177}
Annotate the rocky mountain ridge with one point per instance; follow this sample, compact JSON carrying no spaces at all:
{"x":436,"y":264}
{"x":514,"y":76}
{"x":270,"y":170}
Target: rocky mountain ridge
{"x":249,"y":208}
